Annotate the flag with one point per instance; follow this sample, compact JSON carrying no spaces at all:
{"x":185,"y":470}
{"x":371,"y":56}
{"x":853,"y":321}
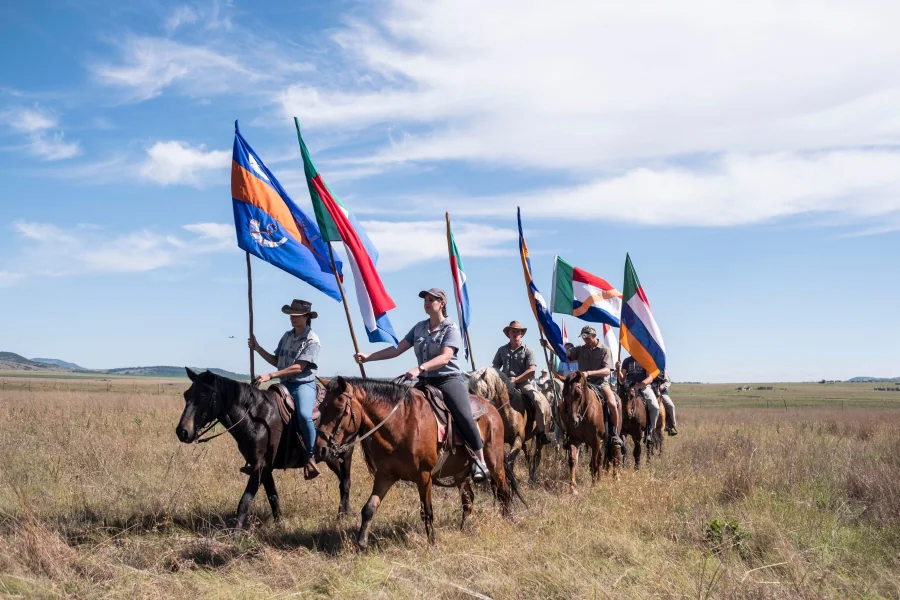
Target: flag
{"x":611,"y":340}
{"x":270,"y":226}
{"x":538,"y":304}
{"x":638,"y":333}
{"x":581,"y":294}
{"x":565,"y":334}
{"x":340,"y":225}
{"x":459,"y":286}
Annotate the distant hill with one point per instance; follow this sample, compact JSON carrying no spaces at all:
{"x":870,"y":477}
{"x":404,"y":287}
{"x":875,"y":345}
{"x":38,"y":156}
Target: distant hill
{"x":10,"y":361}
{"x":873,"y":379}
{"x":59,"y":363}
{"x":167,"y":371}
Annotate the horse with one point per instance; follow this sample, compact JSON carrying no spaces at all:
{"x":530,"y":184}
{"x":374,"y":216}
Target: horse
{"x":253,"y":420}
{"x":398,"y":432}
{"x":518,"y":420}
{"x":581,"y":413}
{"x":634,"y":422}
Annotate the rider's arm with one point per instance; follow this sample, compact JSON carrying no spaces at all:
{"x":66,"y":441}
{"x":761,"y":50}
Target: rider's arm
{"x":294,"y":369}
{"x":528,"y":375}
{"x":388,"y":353}
{"x":440,"y":360}
{"x":269,"y":358}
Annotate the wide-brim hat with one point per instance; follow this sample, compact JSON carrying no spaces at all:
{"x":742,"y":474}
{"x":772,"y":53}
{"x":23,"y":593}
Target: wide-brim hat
{"x":514,"y":325}
{"x":299,"y":307}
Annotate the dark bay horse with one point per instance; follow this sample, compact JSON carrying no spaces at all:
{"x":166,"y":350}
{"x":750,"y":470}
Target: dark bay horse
{"x":402,"y":445}
{"x":581,"y":413}
{"x":518,"y":421}
{"x":634,"y":422}
{"x":252,"y":418}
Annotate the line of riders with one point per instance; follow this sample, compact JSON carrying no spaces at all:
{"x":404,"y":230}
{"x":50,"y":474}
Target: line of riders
{"x":436,"y":342}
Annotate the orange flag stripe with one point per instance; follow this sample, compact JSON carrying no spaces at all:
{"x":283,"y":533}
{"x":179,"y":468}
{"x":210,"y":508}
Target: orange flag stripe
{"x":247,"y":187}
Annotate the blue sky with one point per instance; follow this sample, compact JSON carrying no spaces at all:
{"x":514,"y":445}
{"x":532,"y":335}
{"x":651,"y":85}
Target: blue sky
{"x":747,"y":156}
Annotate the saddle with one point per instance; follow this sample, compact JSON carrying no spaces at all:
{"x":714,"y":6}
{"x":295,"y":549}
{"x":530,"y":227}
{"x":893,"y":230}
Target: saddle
{"x":447,"y":435}
{"x":284,"y":402}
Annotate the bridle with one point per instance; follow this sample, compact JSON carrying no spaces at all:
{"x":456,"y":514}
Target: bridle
{"x":212,"y":412}
{"x":335,"y":449}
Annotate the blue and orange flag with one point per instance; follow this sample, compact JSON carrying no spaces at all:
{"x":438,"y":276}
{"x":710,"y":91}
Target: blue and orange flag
{"x":538,"y":304}
{"x":272,"y":227}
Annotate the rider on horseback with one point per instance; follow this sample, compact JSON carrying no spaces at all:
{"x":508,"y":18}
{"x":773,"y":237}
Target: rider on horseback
{"x":631,"y":373}
{"x":295,"y":358}
{"x":595,"y":361}
{"x":437,"y":341}
{"x":516,"y":361}
{"x":661,"y":389}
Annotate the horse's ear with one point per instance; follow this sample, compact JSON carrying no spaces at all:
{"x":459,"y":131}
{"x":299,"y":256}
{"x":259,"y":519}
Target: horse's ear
{"x":323,"y":381}
{"x":191,"y":375}
{"x":340,"y":383}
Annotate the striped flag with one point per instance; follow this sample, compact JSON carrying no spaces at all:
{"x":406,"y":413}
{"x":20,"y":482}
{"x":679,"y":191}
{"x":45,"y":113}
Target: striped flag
{"x":639,"y":333}
{"x":340,"y":225}
{"x":271,"y":226}
{"x":458,"y":273}
{"x":581,"y":294}
{"x":538,"y":304}
{"x":611,"y":340}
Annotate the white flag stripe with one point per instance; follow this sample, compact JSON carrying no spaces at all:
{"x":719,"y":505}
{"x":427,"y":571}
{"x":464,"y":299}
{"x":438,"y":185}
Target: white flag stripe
{"x":646,"y":317}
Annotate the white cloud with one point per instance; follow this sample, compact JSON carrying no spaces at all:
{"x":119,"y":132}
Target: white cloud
{"x":30,"y":120}
{"x":180,"y":16}
{"x":175,"y":162}
{"x":732,"y":190}
{"x":406,"y":243}
{"x":588,"y":84}
{"x":36,"y":124}
{"x":9,"y":279}
{"x":150,"y":65}
{"x":58,"y":251}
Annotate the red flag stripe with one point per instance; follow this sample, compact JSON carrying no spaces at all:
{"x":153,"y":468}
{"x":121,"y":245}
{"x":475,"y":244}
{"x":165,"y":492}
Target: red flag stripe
{"x":381,"y":301}
{"x":584,"y":277}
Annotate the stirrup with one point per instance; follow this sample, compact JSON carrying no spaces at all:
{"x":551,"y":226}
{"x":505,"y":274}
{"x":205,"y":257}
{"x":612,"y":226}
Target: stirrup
{"x":479,"y":474}
{"x":310,"y":471}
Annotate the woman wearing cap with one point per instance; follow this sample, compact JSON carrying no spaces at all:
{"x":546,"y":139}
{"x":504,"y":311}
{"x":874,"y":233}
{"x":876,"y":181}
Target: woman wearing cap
{"x":295,"y":358}
{"x":437,"y":341}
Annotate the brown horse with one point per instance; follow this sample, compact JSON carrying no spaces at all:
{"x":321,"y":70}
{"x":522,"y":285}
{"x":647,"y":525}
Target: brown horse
{"x":581,"y":413}
{"x":252,"y":418}
{"x":634,"y":422}
{"x":518,"y":420}
{"x":399,"y":438}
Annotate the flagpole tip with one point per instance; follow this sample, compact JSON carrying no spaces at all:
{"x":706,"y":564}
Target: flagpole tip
{"x":236,"y":128}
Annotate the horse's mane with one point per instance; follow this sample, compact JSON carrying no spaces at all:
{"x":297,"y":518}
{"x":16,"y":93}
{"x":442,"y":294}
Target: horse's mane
{"x":378,"y":391}
{"x":489,"y":383}
{"x":234,"y":391}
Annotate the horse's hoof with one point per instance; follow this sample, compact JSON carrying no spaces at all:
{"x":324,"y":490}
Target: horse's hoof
{"x":574,"y":491}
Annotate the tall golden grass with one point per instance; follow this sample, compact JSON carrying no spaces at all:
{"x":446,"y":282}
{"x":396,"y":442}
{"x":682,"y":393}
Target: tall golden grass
{"x":98,"y":499}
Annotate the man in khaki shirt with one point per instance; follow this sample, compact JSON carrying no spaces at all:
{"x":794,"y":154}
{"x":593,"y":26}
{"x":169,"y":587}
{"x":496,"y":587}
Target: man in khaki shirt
{"x":595,"y":361}
{"x":516,"y":361}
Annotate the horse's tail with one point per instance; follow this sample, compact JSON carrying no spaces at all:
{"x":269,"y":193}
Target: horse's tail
{"x":513,"y":482}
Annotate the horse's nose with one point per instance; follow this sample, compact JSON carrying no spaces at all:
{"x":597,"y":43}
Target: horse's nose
{"x":182,"y":434}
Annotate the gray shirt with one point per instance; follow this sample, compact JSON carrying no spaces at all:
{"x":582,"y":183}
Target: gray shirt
{"x":513,"y":363}
{"x":428,"y":344}
{"x":295,"y":348}
{"x":591,"y":359}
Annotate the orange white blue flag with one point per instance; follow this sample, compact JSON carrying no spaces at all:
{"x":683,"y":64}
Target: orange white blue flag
{"x":639,"y":333}
{"x":272,"y":227}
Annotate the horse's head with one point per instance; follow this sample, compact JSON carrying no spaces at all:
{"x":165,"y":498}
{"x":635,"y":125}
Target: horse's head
{"x":202,"y":404}
{"x":335,"y":416}
{"x":574,"y":389}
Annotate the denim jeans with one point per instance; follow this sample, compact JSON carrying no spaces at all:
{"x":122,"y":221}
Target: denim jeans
{"x":304,"y":400}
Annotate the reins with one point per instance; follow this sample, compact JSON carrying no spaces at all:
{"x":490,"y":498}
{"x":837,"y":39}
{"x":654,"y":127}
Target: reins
{"x":339,"y":449}
{"x":200,"y":439}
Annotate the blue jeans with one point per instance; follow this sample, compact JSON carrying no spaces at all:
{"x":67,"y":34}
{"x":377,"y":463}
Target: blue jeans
{"x":304,"y":400}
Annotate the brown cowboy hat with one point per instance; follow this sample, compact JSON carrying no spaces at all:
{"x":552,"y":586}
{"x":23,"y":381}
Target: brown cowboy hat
{"x":514,"y":325}
{"x":299,"y":307}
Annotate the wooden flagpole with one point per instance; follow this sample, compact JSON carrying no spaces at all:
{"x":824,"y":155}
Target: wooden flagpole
{"x":250,"y":307}
{"x":458,"y":300}
{"x":362,"y":369}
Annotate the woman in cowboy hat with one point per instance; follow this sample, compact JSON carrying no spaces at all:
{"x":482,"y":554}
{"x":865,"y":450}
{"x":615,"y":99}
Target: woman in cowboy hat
{"x":437,"y":341}
{"x":295,"y":358}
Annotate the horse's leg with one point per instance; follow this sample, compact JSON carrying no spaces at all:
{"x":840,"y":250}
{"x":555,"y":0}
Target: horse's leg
{"x":573,"y":463}
{"x":425,"y":510}
{"x":538,"y":447}
{"x":637,"y":452}
{"x":272,"y":494}
{"x":467,"y":495}
{"x":493,"y":457}
{"x":381,"y":486}
{"x":342,"y":470}
{"x":247,"y":499}
{"x":596,"y":449}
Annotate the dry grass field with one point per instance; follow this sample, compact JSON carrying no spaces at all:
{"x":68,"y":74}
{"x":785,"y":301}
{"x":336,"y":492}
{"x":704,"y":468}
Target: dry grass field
{"x":782,"y":493}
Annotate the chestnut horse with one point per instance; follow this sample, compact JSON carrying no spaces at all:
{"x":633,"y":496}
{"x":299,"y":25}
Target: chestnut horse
{"x":581,"y":413}
{"x":518,"y":421}
{"x":634,"y":422}
{"x":399,"y":436}
{"x":251,"y":417}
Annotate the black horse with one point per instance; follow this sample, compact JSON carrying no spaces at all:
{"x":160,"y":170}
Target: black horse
{"x":252,"y":418}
